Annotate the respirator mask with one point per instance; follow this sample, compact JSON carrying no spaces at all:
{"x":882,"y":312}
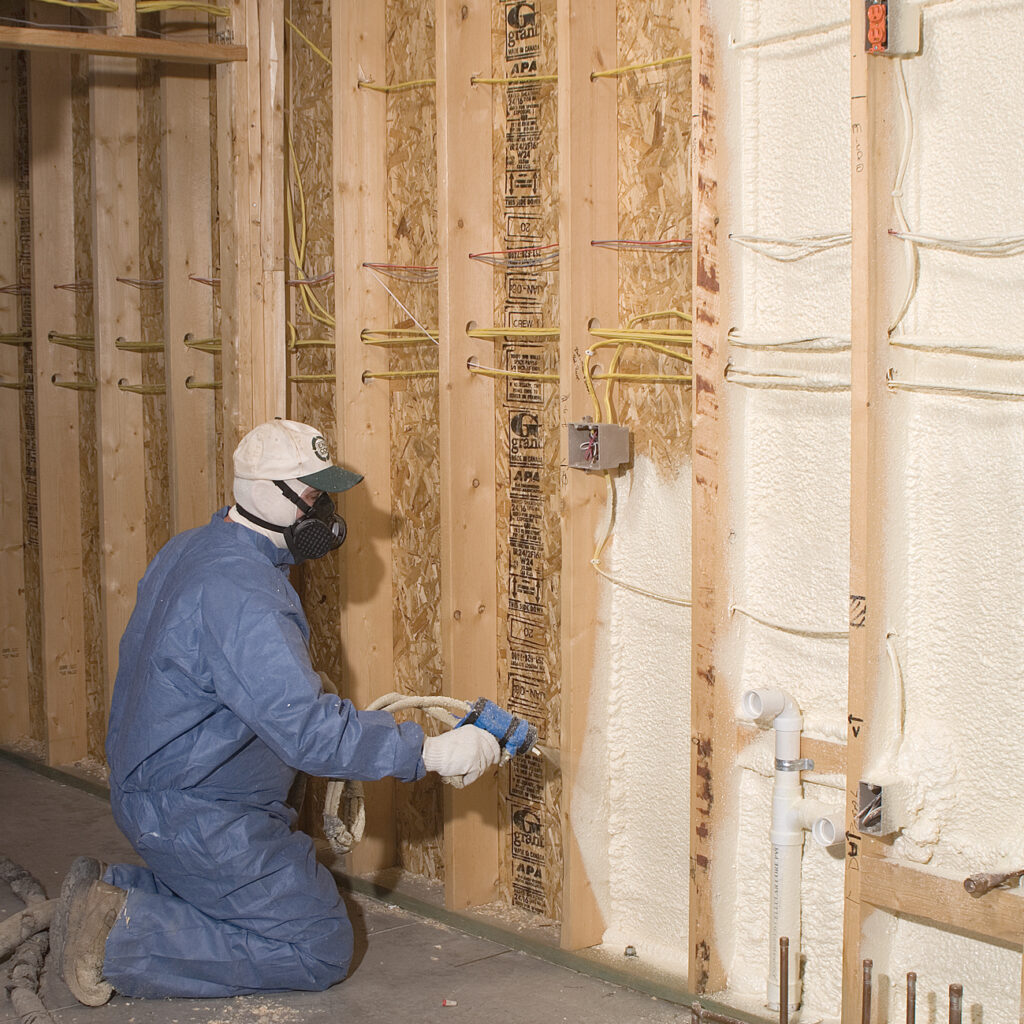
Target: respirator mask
{"x":318,"y":531}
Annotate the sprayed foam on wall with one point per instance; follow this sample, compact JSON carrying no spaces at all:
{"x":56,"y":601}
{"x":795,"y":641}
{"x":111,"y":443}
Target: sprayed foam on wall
{"x":954,"y":466}
{"x":631,"y":806}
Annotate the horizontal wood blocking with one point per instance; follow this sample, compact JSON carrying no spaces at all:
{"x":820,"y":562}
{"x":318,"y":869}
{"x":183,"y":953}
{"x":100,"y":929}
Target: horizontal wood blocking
{"x":997,"y":916}
{"x":173,"y":51}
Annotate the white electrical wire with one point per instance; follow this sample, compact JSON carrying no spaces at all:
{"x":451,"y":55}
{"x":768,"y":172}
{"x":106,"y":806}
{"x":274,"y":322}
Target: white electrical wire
{"x":782,"y":381}
{"x":810,"y":634}
{"x":998,"y":247}
{"x":911,"y":259}
{"x":785,"y":37}
{"x":403,"y":306}
{"x":812,"y":343}
{"x":955,"y":390}
{"x":946,"y":346}
{"x":789,"y":250}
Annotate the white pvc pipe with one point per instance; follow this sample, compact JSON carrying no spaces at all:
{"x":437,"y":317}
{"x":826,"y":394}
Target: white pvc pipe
{"x":777,"y":708}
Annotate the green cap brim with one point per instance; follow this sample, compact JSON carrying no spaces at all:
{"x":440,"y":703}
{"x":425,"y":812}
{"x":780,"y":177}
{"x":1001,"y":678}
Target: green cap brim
{"x":332,"y":479}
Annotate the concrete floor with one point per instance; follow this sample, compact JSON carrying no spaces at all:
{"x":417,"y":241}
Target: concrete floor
{"x":405,"y":966}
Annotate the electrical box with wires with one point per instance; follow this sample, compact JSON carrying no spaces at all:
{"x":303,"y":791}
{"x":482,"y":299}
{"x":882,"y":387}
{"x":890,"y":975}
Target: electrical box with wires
{"x":597,"y":445}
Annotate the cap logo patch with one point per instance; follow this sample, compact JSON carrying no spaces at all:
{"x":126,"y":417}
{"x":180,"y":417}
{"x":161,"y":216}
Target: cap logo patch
{"x":320,"y":449}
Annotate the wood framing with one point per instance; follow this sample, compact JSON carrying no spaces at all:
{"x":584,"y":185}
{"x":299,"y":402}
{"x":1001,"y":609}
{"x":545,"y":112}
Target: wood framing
{"x":587,"y":111}
{"x":466,"y":426}
{"x":713,"y":738}
{"x":121,"y":469}
{"x":14,"y":696}
{"x":899,"y":889}
{"x":188,"y":306}
{"x":363,"y":415}
{"x":57,"y":432}
{"x":171,"y":50}
{"x":867,"y":490}
{"x":250,"y":161}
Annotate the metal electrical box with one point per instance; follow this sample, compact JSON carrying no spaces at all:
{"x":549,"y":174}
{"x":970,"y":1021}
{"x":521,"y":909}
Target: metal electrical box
{"x":597,"y":445}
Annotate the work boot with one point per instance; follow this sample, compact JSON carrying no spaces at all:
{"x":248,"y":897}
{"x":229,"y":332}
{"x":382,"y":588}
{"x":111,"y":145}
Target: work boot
{"x":91,"y":917}
{"x":82,"y":873}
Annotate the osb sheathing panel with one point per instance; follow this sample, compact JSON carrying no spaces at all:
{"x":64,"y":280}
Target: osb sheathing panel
{"x":34,"y":743}
{"x":415,"y":462}
{"x":96,"y":703}
{"x":654,"y":203}
{"x":151,"y":295}
{"x":308,"y":122}
{"x":525,"y":175}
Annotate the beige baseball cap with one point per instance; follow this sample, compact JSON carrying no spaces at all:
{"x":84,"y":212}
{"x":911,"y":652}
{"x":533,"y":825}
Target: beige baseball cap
{"x":287,"y":450}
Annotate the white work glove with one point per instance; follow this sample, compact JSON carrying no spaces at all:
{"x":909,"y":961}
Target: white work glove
{"x":463,"y":753}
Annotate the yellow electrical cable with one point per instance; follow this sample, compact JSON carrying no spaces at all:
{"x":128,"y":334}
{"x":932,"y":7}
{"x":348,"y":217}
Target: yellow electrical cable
{"x":532,"y":79}
{"x":666,"y":337}
{"x":142,"y":389}
{"x":644,"y":378}
{"x":206,"y":385}
{"x":312,"y":343}
{"x":309,"y":299}
{"x":83,"y":342}
{"x":613,"y":374}
{"x":312,"y":378}
{"x":390,"y":336}
{"x":75,"y":385}
{"x":13,"y":385}
{"x":398,"y":86}
{"x":397,"y":374}
{"x":15,"y":339}
{"x":660,"y":314}
{"x":490,"y":333}
{"x":87,"y":5}
{"x":138,"y":346}
{"x":490,"y":371}
{"x":316,"y":49}
{"x":615,"y":72}
{"x":149,"y":6}
{"x":210,"y":345}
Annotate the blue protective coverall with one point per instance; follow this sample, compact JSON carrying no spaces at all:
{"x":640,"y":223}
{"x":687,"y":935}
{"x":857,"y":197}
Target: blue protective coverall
{"x":215,"y":707}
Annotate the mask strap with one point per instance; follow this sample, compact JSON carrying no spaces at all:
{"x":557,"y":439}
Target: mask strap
{"x":292,"y":496}
{"x":245,"y":514}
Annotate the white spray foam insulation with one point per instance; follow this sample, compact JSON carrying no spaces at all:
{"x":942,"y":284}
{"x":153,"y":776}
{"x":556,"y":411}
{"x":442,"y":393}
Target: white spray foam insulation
{"x":790,"y":454}
{"x":640,"y":777}
{"x":955,"y":546}
{"x":955,"y":551}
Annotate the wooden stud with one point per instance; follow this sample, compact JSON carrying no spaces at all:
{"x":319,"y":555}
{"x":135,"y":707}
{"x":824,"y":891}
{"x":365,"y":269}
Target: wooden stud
{"x":43,"y":39}
{"x":250,"y":105}
{"x":588,"y":289}
{"x":269,"y":362}
{"x":713,"y":734}
{"x":113,"y":103}
{"x":466,"y":426}
{"x":363,"y":417}
{"x":188,"y":306}
{"x":14,"y":695}
{"x":57,"y":434}
{"x":867,"y":504}
{"x":126,"y":18}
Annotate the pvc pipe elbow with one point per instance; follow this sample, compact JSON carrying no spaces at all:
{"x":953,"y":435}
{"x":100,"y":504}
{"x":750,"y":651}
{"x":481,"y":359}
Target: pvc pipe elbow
{"x":772,"y":707}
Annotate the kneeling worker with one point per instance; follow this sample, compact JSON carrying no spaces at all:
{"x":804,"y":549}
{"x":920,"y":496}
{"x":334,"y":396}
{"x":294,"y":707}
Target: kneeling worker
{"x":215,"y":708}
